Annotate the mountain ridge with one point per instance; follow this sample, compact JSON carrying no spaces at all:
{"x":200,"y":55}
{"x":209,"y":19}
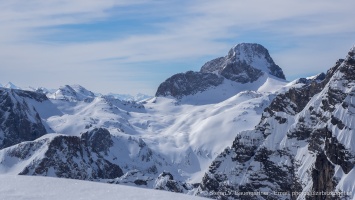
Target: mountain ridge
{"x":247,"y":66}
{"x":301,"y":146}
{"x":19,"y":120}
{"x":244,"y":55}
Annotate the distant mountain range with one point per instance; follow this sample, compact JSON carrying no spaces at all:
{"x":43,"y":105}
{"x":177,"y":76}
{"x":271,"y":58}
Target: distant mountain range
{"x":236,"y":129}
{"x":78,"y":90}
{"x":10,"y":86}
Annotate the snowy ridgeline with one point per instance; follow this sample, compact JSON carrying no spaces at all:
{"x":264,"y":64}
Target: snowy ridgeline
{"x":76,"y":93}
{"x":303,"y":144}
{"x":44,"y":188}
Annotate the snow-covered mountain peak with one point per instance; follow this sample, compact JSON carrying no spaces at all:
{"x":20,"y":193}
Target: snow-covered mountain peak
{"x":245,"y":62}
{"x":246,"y":67}
{"x":352,"y":52}
{"x":82,"y":91}
{"x":72,"y":93}
{"x":257,"y":56}
{"x":11,"y":86}
{"x":353,"y":49}
{"x":347,"y":65}
{"x":249,"y":52}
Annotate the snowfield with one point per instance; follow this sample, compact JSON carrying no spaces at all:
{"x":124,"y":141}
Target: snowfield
{"x":189,"y":136}
{"x":44,"y":188}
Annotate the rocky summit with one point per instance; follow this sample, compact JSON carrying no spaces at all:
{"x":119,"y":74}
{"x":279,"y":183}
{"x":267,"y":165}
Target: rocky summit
{"x":245,"y":64}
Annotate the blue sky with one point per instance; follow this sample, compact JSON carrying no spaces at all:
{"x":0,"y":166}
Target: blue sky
{"x":132,"y":46}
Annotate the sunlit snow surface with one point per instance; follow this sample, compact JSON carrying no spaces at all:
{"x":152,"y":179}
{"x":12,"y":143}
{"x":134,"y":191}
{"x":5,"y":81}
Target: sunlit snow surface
{"x":45,"y":188}
{"x":186,"y":133}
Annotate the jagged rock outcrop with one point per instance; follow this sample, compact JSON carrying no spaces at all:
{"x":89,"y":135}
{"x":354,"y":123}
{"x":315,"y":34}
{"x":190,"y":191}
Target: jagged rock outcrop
{"x":188,"y":83}
{"x":245,"y":63}
{"x":69,"y":156}
{"x":99,"y":140}
{"x":301,"y":148}
{"x":19,"y":120}
{"x":95,"y":155}
{"x":165,"y":181}
{"x":320,"y":77}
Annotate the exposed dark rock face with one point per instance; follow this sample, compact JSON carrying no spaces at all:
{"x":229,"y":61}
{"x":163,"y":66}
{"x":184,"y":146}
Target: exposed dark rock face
{"x":245,"y":63}
{"x":301,"y":125}
{"x":214,"y":65}
{"x":241,"y":72}
{"x":299,"y":98}
{"x":70,"y":156}
{"x":244,"y":58}
{"x":140,"y":182}
{"x":188,"y":83}
{"x":95,"y":155}
{"x":165,"y":181}
{"x":318,"y":78}
{"x":322,"y":176}
{"x":338,"y":154}
{"x":98,"y":139}
{"x":19,"y":120}
{"x":323,"y":171}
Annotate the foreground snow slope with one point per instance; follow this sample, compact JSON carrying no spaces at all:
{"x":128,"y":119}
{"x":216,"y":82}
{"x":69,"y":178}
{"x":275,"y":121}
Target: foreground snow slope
{"x":43,"y":188}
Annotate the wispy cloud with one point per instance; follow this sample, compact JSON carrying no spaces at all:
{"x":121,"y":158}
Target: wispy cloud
{"x":33,"y":37}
